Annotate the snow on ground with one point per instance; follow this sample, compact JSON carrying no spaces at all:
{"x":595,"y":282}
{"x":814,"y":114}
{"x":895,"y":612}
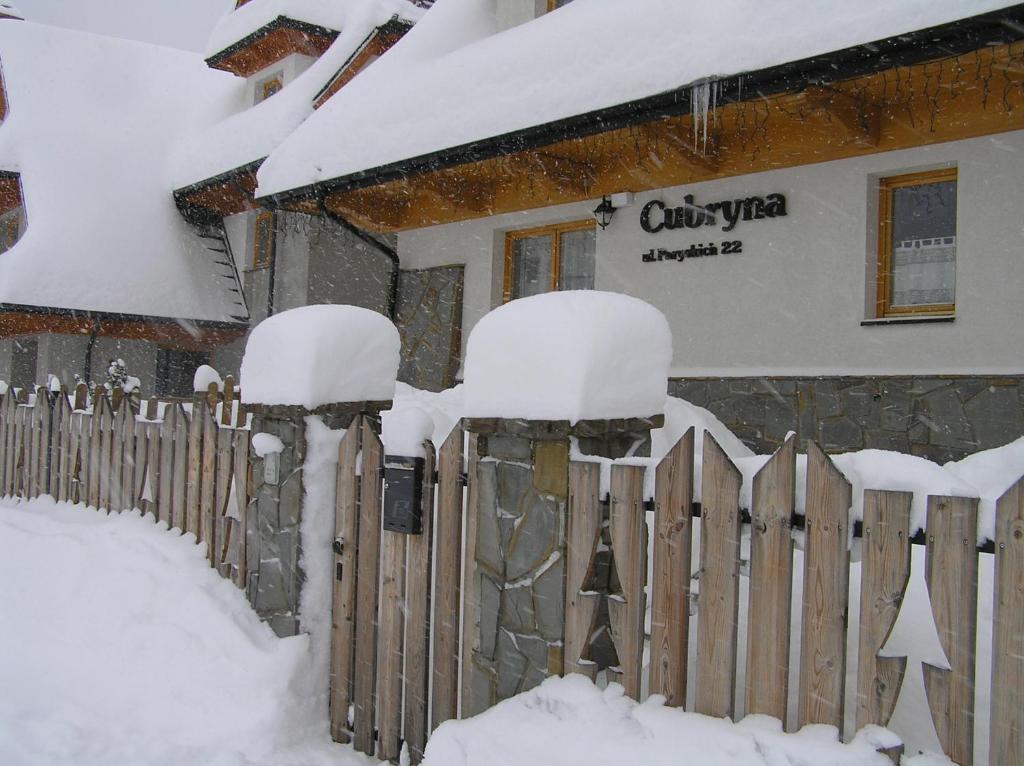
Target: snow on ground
{"x":452,"y":80}
{"x":572,"y":355}
{"x":316,"y":355}
{"x":120,"y":645}
{"x":89,"y":124}
{"x":569,"y":721}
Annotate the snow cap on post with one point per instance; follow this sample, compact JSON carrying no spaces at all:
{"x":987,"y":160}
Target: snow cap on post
{"x":573,"y":355}
{"x":320,"y":355}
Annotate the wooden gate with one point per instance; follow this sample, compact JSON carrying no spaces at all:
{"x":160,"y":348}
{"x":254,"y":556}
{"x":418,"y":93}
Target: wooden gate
{"x":399,"y":630}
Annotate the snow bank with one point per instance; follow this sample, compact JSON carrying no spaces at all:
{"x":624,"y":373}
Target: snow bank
{"x":316,"y":355}
{"x":452,"y":81}
{"x":568,"y":721}
{"x":90,"y":122}
{"x":122,"y":646}
{"x":992,"y":472}
{"x":571,"y":355}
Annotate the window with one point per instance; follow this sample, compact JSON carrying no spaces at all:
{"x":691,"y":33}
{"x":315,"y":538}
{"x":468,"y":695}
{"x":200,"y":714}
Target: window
{"x":917,"y":244}
{"x":176,"y":369}
{"x":9,"y":229}
{"x":263,"y":240}
{"x":549,"y":258}
{"x":268,"y":87}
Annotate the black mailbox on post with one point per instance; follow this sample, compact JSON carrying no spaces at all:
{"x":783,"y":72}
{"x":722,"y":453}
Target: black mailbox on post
{"x":403,"y":489}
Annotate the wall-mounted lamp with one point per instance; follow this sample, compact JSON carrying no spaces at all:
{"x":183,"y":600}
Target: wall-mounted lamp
{"x":603,"y":213}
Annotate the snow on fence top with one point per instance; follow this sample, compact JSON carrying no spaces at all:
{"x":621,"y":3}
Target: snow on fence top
{"x":452,"y":81}
{"x":574,"y":355}
{"x":90,"y":120}
{"x":317,"y":355}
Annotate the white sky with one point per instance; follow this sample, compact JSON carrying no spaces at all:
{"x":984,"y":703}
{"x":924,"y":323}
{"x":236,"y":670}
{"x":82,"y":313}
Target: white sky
{"x":177,"y":23}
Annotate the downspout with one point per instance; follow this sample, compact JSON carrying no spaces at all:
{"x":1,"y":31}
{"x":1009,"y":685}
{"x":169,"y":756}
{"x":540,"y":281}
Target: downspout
{"x":372,"y":242}
{"x":88,"y":350}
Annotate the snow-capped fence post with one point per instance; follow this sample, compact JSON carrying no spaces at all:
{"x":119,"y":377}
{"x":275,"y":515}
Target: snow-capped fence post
{"x":572,"y":374}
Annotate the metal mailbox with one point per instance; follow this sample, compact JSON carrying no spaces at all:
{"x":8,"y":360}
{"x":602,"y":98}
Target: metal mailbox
{"x":403,"y":491}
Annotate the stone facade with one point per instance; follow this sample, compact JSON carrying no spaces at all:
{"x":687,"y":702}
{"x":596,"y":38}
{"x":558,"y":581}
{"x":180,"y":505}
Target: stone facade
{"x":941,"y":418}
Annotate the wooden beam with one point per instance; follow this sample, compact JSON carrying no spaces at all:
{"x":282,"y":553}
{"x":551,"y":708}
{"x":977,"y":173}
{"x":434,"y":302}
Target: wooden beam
{"x":886,"y":111}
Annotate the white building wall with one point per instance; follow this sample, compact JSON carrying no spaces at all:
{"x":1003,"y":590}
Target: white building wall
{"x":792,"y":303}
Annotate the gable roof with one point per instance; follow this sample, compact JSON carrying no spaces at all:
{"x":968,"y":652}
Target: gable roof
{"x":249,"y":135}
{"x":452,"y":85}
{"x":90,"y":119}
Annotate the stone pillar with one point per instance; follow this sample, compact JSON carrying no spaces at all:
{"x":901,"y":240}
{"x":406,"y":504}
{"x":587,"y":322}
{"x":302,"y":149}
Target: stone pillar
{"x":520,"y":548}
{"x":274,"y":576}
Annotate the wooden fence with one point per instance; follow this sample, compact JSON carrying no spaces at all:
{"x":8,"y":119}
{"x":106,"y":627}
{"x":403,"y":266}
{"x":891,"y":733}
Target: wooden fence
{"x":397,"y":638}
{"x":188,"y":464}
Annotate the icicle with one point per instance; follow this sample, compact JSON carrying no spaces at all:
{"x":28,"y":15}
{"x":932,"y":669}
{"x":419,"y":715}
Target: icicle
{"x":703,"y":101}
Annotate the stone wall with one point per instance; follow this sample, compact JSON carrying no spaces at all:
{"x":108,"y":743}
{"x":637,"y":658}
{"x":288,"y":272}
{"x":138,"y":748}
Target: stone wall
{"x":941,"y":417}
{"x":274,"y":577}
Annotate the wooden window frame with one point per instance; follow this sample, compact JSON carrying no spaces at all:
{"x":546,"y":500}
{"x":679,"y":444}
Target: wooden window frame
{"x":555,"y":230}
{"x":552,"y":5}
{"x":257,"y":262}
{"x":886,"y":187}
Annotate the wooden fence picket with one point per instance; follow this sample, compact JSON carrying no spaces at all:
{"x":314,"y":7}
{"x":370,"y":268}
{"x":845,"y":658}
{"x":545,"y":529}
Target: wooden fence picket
{"x":718,"y":595}
{"x":179,"y":468}
{"x":670,"y":586}
{"x":1006,"y":742}
{"x":117,"y":428}
{"x":222,"y":497}
{"x":771,"y":583}
{"x":417,"y":620}
{"x":103,"y":420}
{"x":9,"y":407}
{"x":240,"y":489}
{"x":629,"y":550}
{"x":826,"y":577}
{"x":194,"y":476}
{"x":885,"y":573}
{"x":582,"y":539}
{"x":208,"y":478}
{"x":165,"y":472}
{"x":951,"y":573}
{"x":366,"y":583}
{"x":343,"y":614}
{"x":448,"y":557}
{"x":390,"y":628}
{"x":470,"y":642}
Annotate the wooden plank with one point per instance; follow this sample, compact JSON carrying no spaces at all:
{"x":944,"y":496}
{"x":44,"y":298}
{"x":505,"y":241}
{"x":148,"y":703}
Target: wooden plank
{"x":470,"y":587}
{"x":1006,"y":741}
{"x":230,"y":393}
{"x":718,"y":596}
{"x":629,"y":549}
{"x":165,"y":472}
{"x":885,"y":572}
{"x":346,"y":528}
{"x":194,"y":475}
{"x":60,"y":413}
{"x":141,"y":468}
{"x":417,"y":619}
{"x":179,"y":469}
{"x":32,"y":441}
{"x":150,"y":480}
{"x":582,"y":538}
{"x":94,"y":453}
{"x":103,"y":419}
{"x":117,"y":426}
{"x":825,"y":599}
{"x":43,"y":405}
{"x":78,"y":460}
{"x":670,"y":586}
{"x":448,"y":558}
{"x":951,"y":573}
{"x":390,"y":624}
{"x":240,"y":489}
{"x":207,"y":487}
{"x":6,"y":440}
{"x":22,"y":436}
{"x":771,"y":583}
{"x":222,"y":495}
{"x":129,"y":435}
{"x":366,"y":584}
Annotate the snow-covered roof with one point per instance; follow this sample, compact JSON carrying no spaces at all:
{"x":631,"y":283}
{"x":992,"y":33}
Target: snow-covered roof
{"x":251,"y":135}
{"x":453,"y":79}
{"x":256,"y":14}
{"x":90,"y":119}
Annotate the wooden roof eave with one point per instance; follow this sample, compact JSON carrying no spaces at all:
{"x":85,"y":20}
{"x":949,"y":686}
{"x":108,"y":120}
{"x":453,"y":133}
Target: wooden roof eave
{"x":233,"y":58}
{"x":804,"y":79}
